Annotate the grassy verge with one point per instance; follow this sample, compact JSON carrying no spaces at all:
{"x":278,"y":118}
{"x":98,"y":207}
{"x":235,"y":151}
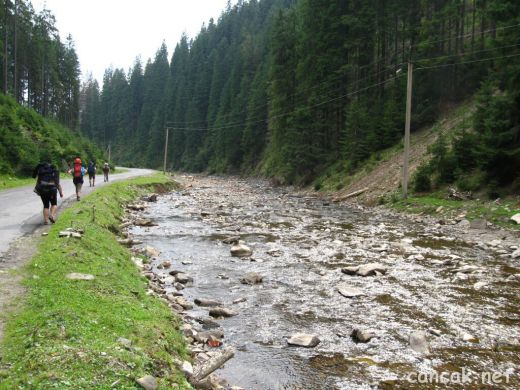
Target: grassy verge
{"x":435,"y":204}
{"x":7,"y":181}
{"x":66,"y":334}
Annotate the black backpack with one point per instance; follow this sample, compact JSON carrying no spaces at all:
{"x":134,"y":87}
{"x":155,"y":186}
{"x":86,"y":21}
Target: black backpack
{"x":46,"y":180}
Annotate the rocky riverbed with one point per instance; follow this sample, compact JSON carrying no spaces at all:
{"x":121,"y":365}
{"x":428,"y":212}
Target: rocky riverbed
{"x":317,"y":295}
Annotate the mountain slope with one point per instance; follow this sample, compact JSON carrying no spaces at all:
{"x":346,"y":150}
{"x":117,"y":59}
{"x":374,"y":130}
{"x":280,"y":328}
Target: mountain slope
{"x":26,"y":138}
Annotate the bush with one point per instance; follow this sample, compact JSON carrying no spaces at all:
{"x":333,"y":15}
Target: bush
{"x":421,"y":179}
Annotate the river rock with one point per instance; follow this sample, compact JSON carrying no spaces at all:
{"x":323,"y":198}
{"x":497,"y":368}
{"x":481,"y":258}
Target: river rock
{"x":186,"y":368}
{"x":516,"y":254}
{"x":152,"y":198}
{"x":222,"y":312}
{"x":516,"y":218}
{"x":138,"y":262}
{"x":350,"y":292}
{"x":151,"y":252}
{"x":371,"y":269}
{"x":124,"y":342}
{"x":78,"y":276}
{"x":362,"y":335}
{"x":203,"y":337}
{"x":239,"y":300}
{"x":206,"y":302}
{"x":419,"y":343}
{"x":478,"y":224}
{"x":180,"y":301}
{"x":231,"y":240}
{"x":251,"y":278}
{"x":304,"y":340}
{"x":147,"y":382}
{"x":464,"y":224}
{"x":350,"y":270}
{"x":469,"y":338}
{"x":183,"y":278}
{"x":479,"y":285}
{"x":241,"y":250}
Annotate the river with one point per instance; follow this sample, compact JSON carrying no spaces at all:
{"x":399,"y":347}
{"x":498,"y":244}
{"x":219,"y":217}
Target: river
{"x":462,"y":294}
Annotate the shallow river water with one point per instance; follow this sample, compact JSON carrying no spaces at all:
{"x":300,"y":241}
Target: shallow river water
{"x":435,"y":283}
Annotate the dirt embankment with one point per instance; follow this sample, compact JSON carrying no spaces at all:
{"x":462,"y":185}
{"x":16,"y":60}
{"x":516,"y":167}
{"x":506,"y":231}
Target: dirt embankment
{"x":387,"y":175}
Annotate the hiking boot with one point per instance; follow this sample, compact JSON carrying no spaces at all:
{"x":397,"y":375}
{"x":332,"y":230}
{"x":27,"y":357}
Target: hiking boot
{"x":52,"y":219}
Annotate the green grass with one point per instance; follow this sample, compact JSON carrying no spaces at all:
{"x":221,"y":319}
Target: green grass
{"x":8,"y":181}
{"x":66,"y":334}
{"x":436,"y":204}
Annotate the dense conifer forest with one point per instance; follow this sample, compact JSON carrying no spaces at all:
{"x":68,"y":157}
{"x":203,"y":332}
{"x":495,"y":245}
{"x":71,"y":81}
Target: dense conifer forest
{"x":289,"y":88}
{"x":39,"y":78}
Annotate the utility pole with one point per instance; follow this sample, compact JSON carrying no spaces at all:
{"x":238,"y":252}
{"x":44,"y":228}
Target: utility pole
{"x":407,"y":128}
{"x":165,"y":150}
{"x":109,"y":151}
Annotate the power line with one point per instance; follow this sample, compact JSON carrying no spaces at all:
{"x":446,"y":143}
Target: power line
{"x":469,"y":53}
{"x":467,"y":62}
{"x":467,"y":35}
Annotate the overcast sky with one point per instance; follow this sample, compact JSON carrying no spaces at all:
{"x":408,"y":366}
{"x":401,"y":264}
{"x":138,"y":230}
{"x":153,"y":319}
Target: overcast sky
{"x":114,"y":32}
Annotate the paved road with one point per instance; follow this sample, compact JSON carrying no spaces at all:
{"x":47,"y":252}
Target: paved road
{"x":21,"y":208}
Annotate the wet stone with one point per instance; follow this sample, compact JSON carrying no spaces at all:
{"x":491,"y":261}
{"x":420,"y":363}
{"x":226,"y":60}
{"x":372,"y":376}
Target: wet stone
{"x":241,"y":250}
{"x":304,"y":340}
{"x":183,"y":278}
{"x":350,"y":292}
{"x":362,"y":335}
{"x":251,"y":278}
{"x":207,"y":302}
{"x":419,"y":343}
{"x":222,"y":312}
{"x":371,"y":269}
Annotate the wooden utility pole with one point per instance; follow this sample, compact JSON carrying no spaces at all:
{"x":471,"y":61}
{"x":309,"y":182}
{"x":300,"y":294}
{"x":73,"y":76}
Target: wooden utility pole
{"x":165,"y":150}
{"x":407,"y":129}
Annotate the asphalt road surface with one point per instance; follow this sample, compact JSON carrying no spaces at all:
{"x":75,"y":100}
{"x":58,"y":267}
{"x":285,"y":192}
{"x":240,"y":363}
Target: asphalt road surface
{"x":21,"y":209}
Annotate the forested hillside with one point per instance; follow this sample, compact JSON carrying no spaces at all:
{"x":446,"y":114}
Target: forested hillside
{"x":290,"y":88}
{"x":37,"y":69}
{"x":39,"y":78}
{"x":26,"y":139}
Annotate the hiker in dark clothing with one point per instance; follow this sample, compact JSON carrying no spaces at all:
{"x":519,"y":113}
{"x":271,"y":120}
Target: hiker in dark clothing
{"x":47,"y":187}
{"x":106,"y":170}
{"x":91,"y":170}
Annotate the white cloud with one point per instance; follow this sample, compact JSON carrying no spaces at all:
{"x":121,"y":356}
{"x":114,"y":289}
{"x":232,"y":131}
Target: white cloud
{"x":113,"y":32}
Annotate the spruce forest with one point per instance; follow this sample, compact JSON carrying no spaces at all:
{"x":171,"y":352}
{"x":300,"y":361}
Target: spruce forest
{"x":39,"y":79}
{"x":289,"y":88}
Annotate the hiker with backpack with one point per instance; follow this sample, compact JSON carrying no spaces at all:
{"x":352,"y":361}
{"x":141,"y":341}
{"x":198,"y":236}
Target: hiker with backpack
{"x":78,"y":171}
{"x":106,"y":170}
{"x":47,"y":187}
{"x":91,"y":170}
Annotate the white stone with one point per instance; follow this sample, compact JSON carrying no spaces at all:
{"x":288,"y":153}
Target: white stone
{"x":78,"y":276}
{"x":419,"y":343}
{"x":241,"y":250}
{"x":304,"y":340}
{"x":350,"y":292}
{"x":187,"y":368}
{"x":516,"y":218}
